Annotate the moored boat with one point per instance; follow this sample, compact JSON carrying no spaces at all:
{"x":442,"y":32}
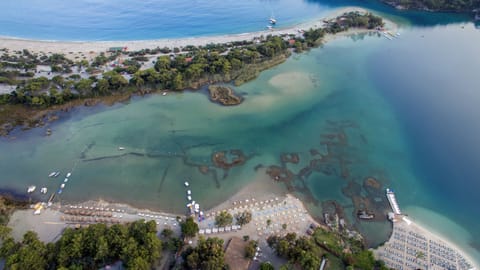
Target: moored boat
{"x":52,"y":174}
{"x":31,"y":189}
{"x":62,"y":185}
{"x":56,"y":174}
{"x":189,"y":192}
{"x":43,"y":190}
{"x":362,"y":214}
{"x":189,"y":198}
{"x":186,"y":184}
{"x":68,"y":174}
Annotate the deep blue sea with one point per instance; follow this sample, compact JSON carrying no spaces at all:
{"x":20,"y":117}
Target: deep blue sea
{"x":414,"y":99}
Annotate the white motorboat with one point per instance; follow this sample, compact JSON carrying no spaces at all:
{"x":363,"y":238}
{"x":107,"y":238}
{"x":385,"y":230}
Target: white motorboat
{"x":272,"y":20}
{"x":68,"y":175}
{"x":52,"y":174}
{"x":189,"y":192}
{"x":66,"y":180}
{"x":62,"y":185}
{"x":43,"y":190}
{"x":31,"y":189}
{"x":186,"y":184}
{"x":189,"y":198}
{"x":120,"y":148}
{"x":56,"y":174}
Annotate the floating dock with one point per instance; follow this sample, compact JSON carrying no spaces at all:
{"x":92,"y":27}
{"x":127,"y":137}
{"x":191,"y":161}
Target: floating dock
{"x":393,"y":202}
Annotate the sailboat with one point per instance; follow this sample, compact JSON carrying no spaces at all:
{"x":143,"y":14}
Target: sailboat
{"x":272,"y":19}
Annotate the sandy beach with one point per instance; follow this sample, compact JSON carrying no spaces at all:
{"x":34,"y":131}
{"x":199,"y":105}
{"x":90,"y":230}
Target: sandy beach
{"x":412,"y":246}
{"x":89,"y":49}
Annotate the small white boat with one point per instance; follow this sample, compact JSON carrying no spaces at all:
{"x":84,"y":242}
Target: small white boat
{"x":43,"y":190}
{"x":62,"y":185}
{"x":164,"y":93}
{"x":189,"y":198}
{"x":197,"y":206}
{"x":120,"y":148}
{"x":269,"y":27}
{"x":31,"y":189}
{"x":66,"y":180}
{"x":186,"y":184}
{"x":68,"y":175}
{"x":56,"y":174}
{"x":189,"y":192}
{"x":52,"y":174}
{"x":272,"y":20}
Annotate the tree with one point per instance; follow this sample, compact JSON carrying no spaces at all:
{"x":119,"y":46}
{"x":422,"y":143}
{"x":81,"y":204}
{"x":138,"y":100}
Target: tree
{"x":266,"y":266}
{"x":223,"y":219}
{"x":210,"y":254}
{"x":269,"y":221}
{"x":243,"y":218}
{"x":167,"y":233}
{"x":189,"y":227}
{"x":250,"y":249}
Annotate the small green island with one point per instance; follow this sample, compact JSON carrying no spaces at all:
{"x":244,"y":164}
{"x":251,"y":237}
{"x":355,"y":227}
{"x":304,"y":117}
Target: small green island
{"x":223,"y":95}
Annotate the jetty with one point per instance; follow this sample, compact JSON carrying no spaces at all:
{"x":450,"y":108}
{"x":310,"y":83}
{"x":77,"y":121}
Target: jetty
{"x":393,"y":202}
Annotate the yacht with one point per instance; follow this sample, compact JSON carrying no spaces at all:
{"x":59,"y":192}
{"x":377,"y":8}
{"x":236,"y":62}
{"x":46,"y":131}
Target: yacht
{"x":31,"y":189}
{"x":362,"y":214}
{"x":272,"y":20}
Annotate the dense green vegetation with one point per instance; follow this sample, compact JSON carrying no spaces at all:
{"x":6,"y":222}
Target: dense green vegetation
{"x":207,"y":255}
{"x":436,"y":5}
{"x":135,"y":244}
{"x":307,"y":252}
{"x":189,"y":227}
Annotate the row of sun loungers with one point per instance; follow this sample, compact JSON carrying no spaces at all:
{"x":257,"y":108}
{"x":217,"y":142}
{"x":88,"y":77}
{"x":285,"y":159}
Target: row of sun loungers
{"x":82,"y":219}
{"x":219,"y":230}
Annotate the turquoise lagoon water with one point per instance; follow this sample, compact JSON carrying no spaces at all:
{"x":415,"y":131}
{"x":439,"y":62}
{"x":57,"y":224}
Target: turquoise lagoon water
{"x":409,"y":109}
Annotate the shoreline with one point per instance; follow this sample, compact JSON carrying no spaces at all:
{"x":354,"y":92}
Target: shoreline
{"x":91,"y":48}
{"x":405,"y":231}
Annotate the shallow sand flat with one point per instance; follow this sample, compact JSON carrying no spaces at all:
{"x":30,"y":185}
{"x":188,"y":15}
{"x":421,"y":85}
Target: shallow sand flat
{"x":287,"y":82}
